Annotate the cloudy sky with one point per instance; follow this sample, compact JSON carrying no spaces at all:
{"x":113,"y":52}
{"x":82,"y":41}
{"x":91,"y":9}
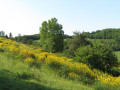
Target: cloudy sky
{"x":25,"y":16}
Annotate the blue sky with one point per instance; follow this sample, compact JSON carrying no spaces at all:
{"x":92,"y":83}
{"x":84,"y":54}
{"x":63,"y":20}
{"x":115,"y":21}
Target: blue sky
{"x":25,"y":16}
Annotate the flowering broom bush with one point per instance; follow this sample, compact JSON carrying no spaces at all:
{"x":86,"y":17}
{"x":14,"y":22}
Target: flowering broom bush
{"x":64,"y":66}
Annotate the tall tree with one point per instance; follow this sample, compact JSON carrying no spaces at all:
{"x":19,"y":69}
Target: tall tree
{"x":10,"y":35}
{"x":51,"y":36}
{"x":2,"y":33}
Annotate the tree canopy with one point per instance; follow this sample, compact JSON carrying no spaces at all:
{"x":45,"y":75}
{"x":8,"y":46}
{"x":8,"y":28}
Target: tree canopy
{"x":51,"y":36}
{"x":110,"y":33}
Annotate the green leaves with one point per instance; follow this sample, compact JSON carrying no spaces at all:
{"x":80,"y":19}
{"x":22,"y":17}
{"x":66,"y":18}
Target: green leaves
{"x":98,"y":56}
{"x":51,"y":36}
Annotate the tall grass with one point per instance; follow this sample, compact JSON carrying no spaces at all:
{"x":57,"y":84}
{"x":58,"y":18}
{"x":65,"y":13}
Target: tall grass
{"x":17,"y":75}
{"x":24,"y":66}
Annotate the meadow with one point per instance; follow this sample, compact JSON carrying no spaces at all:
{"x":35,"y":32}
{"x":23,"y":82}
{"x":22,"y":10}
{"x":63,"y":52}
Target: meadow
{"x":118,"y":55}
{"x":28,"y":67}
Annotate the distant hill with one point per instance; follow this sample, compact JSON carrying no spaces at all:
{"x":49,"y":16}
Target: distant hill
{"x":110,"y":33}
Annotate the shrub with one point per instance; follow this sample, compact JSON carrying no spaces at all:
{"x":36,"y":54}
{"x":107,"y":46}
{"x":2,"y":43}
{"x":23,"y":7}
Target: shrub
{"x":115,"y":71}
{"x":99,"y":57}
{"x":27,"y":53}
{"x":71,"y":45}
{"x":2,"y":49}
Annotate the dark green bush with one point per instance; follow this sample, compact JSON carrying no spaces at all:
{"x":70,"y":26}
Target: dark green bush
{"x":2,"y":49}
{"x":98,"y":56}
{"x":71,"y":45}
{"x":114,"y":71}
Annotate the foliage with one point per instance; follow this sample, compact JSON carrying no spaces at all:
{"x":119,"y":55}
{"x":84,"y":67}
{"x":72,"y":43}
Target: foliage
{"x":71,"y":45}
{"x":27,"y":39}
{"x":62,"y":65}
{"x":99,"y":57}
{"x":2,"y":34}
{"x":67,"y":36}
{"x":110,"y":33}
{"x":10,"y":35}
{"x":100,"y":86}
{"x":16,"y":75}
{"x":51,"y":36}
{"x":110,"y":43}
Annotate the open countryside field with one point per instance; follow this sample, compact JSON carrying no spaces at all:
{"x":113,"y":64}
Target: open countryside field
{"x":27,"y":65}
{"x":59,"y":45}
{"x":17,"y":75}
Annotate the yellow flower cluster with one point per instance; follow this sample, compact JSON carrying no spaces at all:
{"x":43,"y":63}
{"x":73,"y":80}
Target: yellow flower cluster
{"x":26,"y":53}
{"x":31,"y":53}
{"x":29,"y":59}
{"x":13,"y":49}
{"x":110,"y":80}
{"x":72,"y":74}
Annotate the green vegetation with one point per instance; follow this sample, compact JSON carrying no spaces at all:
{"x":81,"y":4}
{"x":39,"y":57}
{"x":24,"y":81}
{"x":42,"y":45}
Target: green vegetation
{"x":28,"y":66}
{"x":110,"y":33}
{"x":27,"y":39}
{"x":110,"y":43}
{"x":51,"y":36}
{"x":17,"y":75}
{"x":71,"y":45}
{"x":99,"y":57}
{"x":2,"y":34}
{"x":92,"y":64}
{"x":118,"y":55}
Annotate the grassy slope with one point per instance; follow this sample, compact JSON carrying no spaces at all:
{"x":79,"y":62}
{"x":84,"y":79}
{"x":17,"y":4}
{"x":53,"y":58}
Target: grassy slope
{"x":16,"y":75}
{"x":118,"y":55}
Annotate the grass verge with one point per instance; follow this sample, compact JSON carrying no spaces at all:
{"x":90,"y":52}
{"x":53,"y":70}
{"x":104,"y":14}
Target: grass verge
{"x":17,"y":75}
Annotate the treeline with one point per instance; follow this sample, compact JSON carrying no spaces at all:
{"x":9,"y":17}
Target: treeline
{"x":27,"y":39}
{"x":79,"y":46}
{"x":110,"y":33}
{"x":2,"y":34}
{"x":113,"y":44}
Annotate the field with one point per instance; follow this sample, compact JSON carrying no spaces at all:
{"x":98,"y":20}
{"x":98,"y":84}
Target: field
{"x":29,"y":68}
{"x":16,"y":75}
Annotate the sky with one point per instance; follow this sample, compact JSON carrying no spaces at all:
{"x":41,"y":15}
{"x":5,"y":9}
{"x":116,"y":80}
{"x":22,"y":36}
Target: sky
{"x":26,"y":16}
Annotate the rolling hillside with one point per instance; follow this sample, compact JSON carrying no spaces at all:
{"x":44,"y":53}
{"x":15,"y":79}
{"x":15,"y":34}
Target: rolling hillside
{"x":28,"y":67}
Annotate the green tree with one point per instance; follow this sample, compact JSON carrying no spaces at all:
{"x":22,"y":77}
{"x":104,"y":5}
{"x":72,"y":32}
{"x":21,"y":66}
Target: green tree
{"x":6,"y":36}
{"x":10,"y":35}
{"x":51,"y":36}
{"x":73,"y":44}
{"x":2,"y":34}
{"x":98,"y":56}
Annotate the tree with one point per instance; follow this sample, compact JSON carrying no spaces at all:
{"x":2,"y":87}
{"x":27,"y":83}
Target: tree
{"x":2,"y":34}
{"x":51,"y":36}
{"x":10,"y":35}
{"x":6,"y":36}
{"x":73,"y":44}
{"x":97,"y":56}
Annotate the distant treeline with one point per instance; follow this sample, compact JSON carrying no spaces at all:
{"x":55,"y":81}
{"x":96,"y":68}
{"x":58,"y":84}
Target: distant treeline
{"x":109,"y":33}
{"x":28,"y":37}
{"x":2,"y":34}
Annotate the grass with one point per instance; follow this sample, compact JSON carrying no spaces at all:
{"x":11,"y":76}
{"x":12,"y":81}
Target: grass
{"x":118,"y":55}
{"x":17,"y":75}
